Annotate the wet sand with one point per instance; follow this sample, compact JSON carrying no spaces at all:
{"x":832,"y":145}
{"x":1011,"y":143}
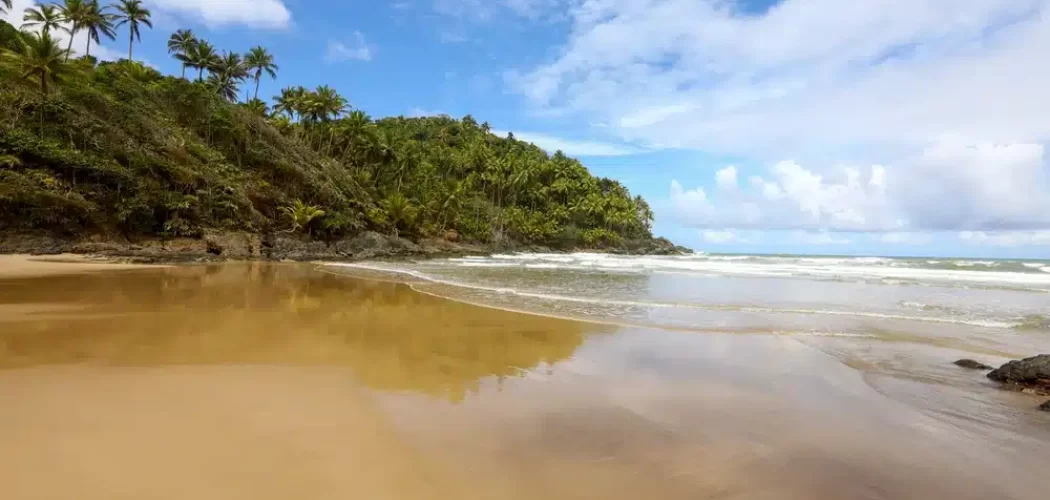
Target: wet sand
{"x":20,"y":266}
{"x":272,"y":381}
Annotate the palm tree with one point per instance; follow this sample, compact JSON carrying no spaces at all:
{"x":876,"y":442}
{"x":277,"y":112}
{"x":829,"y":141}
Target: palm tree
{"x":223,"y":85}
{"x":98,"y":23}
{"x":301,"y":214}
{"x":231,"y":66}
{"x":41,"y":58}
{"x":4,"y":5}
{"x":328,"y":103}
{"x":258,"y":61}
{"x":290,"y":102}
{"x":399,"y":210}
{"x":202,"y":56}
{"x":181,"y":44}
{"x":132,"y":13}
{"x":256,"y":107}
{"x":44,"y":17}
{"x":74,"y":12}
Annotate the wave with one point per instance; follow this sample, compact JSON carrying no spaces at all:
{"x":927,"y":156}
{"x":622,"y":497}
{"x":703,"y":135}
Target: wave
{"x":890,"y":271}
{"x":978,"y":322}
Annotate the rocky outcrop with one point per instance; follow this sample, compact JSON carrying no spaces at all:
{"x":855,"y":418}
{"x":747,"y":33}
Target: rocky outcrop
{"x":1030,"y":375}
{"x":972,"y":365}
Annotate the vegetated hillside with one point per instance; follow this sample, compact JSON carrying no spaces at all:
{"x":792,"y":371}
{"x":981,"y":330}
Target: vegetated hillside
{"x":120,"y":149}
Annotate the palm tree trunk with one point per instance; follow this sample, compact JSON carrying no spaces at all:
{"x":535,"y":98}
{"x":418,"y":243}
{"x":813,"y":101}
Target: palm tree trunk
{"x":88,"y":51}
{"x":69,"y":48}
{"x":200,"y":74}
{"x":131,"y":44}
{"x":257,"y":79}
{"x":183,"y":71}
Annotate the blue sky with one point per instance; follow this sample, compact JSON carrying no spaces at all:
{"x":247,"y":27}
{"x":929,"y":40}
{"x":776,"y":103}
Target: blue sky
{"x":889,"y":127}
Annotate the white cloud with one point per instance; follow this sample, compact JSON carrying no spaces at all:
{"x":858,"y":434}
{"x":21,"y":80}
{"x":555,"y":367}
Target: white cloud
{"x":572,"y":147}
{"x":255,"y":13}
{"x":821,"y":238}
{"x":721,"y":237}
{"x":358,"y":50}
{"x":726,"y":178}
{"x":418,"y":112}
{"x":949,"y":186}
{"x":1005,"y":238}
{"x":481,"y":10}
{"x":103,"y":53}
{"x":804,"y":75}
{"x":900,"y":238}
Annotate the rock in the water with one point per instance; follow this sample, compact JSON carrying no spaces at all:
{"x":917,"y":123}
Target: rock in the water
{"x":1045,"y":406}
{"x":1032,"y":373}
{"x":971,"y":364}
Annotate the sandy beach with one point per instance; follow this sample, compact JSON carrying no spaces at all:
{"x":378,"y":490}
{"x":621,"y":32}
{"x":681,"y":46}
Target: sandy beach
{"x":268,"y":381}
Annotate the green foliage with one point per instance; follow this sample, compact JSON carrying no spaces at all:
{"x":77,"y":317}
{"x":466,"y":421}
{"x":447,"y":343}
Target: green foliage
{"x":301,"y":215}
{"x":122,"y":147}
{"x":40,"y":59}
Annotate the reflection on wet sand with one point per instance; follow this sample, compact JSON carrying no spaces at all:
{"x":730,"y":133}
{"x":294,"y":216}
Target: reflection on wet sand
{"x":255,"y":313}
{"x":261,"y":381}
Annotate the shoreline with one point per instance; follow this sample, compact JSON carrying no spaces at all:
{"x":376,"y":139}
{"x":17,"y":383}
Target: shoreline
{"x":274,"y":247}
{"x":31,"y":266}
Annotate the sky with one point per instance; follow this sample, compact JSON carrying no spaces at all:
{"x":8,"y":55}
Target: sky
{"x":872,"y":127}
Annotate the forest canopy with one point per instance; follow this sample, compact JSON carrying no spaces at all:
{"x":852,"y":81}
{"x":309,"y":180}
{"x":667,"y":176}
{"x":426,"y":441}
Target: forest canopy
{"x":119,"y":148}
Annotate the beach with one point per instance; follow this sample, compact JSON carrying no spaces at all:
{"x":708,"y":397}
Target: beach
{"x":266,"y":380}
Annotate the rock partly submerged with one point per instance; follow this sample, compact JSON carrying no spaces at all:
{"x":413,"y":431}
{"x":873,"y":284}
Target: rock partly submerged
{"x":972,"y":365}
{"x":1030,"y":375}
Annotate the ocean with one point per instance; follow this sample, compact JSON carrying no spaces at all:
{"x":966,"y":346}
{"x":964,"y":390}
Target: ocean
{"x":906,"y":317}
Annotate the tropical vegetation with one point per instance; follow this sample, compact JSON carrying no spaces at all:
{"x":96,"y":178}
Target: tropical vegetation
{"x":119,"y":148}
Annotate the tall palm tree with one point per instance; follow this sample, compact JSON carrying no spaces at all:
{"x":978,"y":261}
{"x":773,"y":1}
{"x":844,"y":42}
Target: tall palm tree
{"x":181,"y":44}
{"x":290,"y":101}
{"x":97,"y":22}
{"x":259,"y":61}
{"x":329,"y":104}
{"x":74,"y":12}
{"x":202,"y":56}
{"x":232,"y":66}
{"x":133,"y":14}
{"x":41,"y":58}
{"x":44,"y":17}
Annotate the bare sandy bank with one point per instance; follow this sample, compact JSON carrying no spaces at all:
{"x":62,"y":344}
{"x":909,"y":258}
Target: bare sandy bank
{"x":22,"y":266}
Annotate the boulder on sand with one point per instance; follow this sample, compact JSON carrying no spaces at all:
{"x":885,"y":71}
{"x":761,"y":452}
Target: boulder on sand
{"x":971,"y":364}
{"x":1045,"y":406}
{"x":1029,"y":373}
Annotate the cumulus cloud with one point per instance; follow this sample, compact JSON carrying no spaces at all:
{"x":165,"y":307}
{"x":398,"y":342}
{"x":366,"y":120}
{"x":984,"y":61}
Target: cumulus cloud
{"x":14,"y":17}
{"x":803,"y":75}
{"x":950,"y":186}
{"x":1006,"y":238}
{"x":480,"y":10}
{"x":721,"y":237}
{"x":572,"y":147}
{"x":255,"y":13}
{"x":358,"y":50}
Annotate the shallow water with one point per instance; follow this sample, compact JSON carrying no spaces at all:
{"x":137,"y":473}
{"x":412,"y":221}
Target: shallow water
{"x":278,"y":381}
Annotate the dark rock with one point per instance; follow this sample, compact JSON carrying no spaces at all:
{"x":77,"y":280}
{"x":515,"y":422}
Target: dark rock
{"x":1030,"y":373}
{"x":1045,"y":406}
{"x":369,"y":245}
{"x":971,"y":364}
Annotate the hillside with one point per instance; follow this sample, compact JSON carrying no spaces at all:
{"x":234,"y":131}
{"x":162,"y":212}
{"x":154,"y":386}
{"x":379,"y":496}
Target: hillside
{"x":119,"y":151}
